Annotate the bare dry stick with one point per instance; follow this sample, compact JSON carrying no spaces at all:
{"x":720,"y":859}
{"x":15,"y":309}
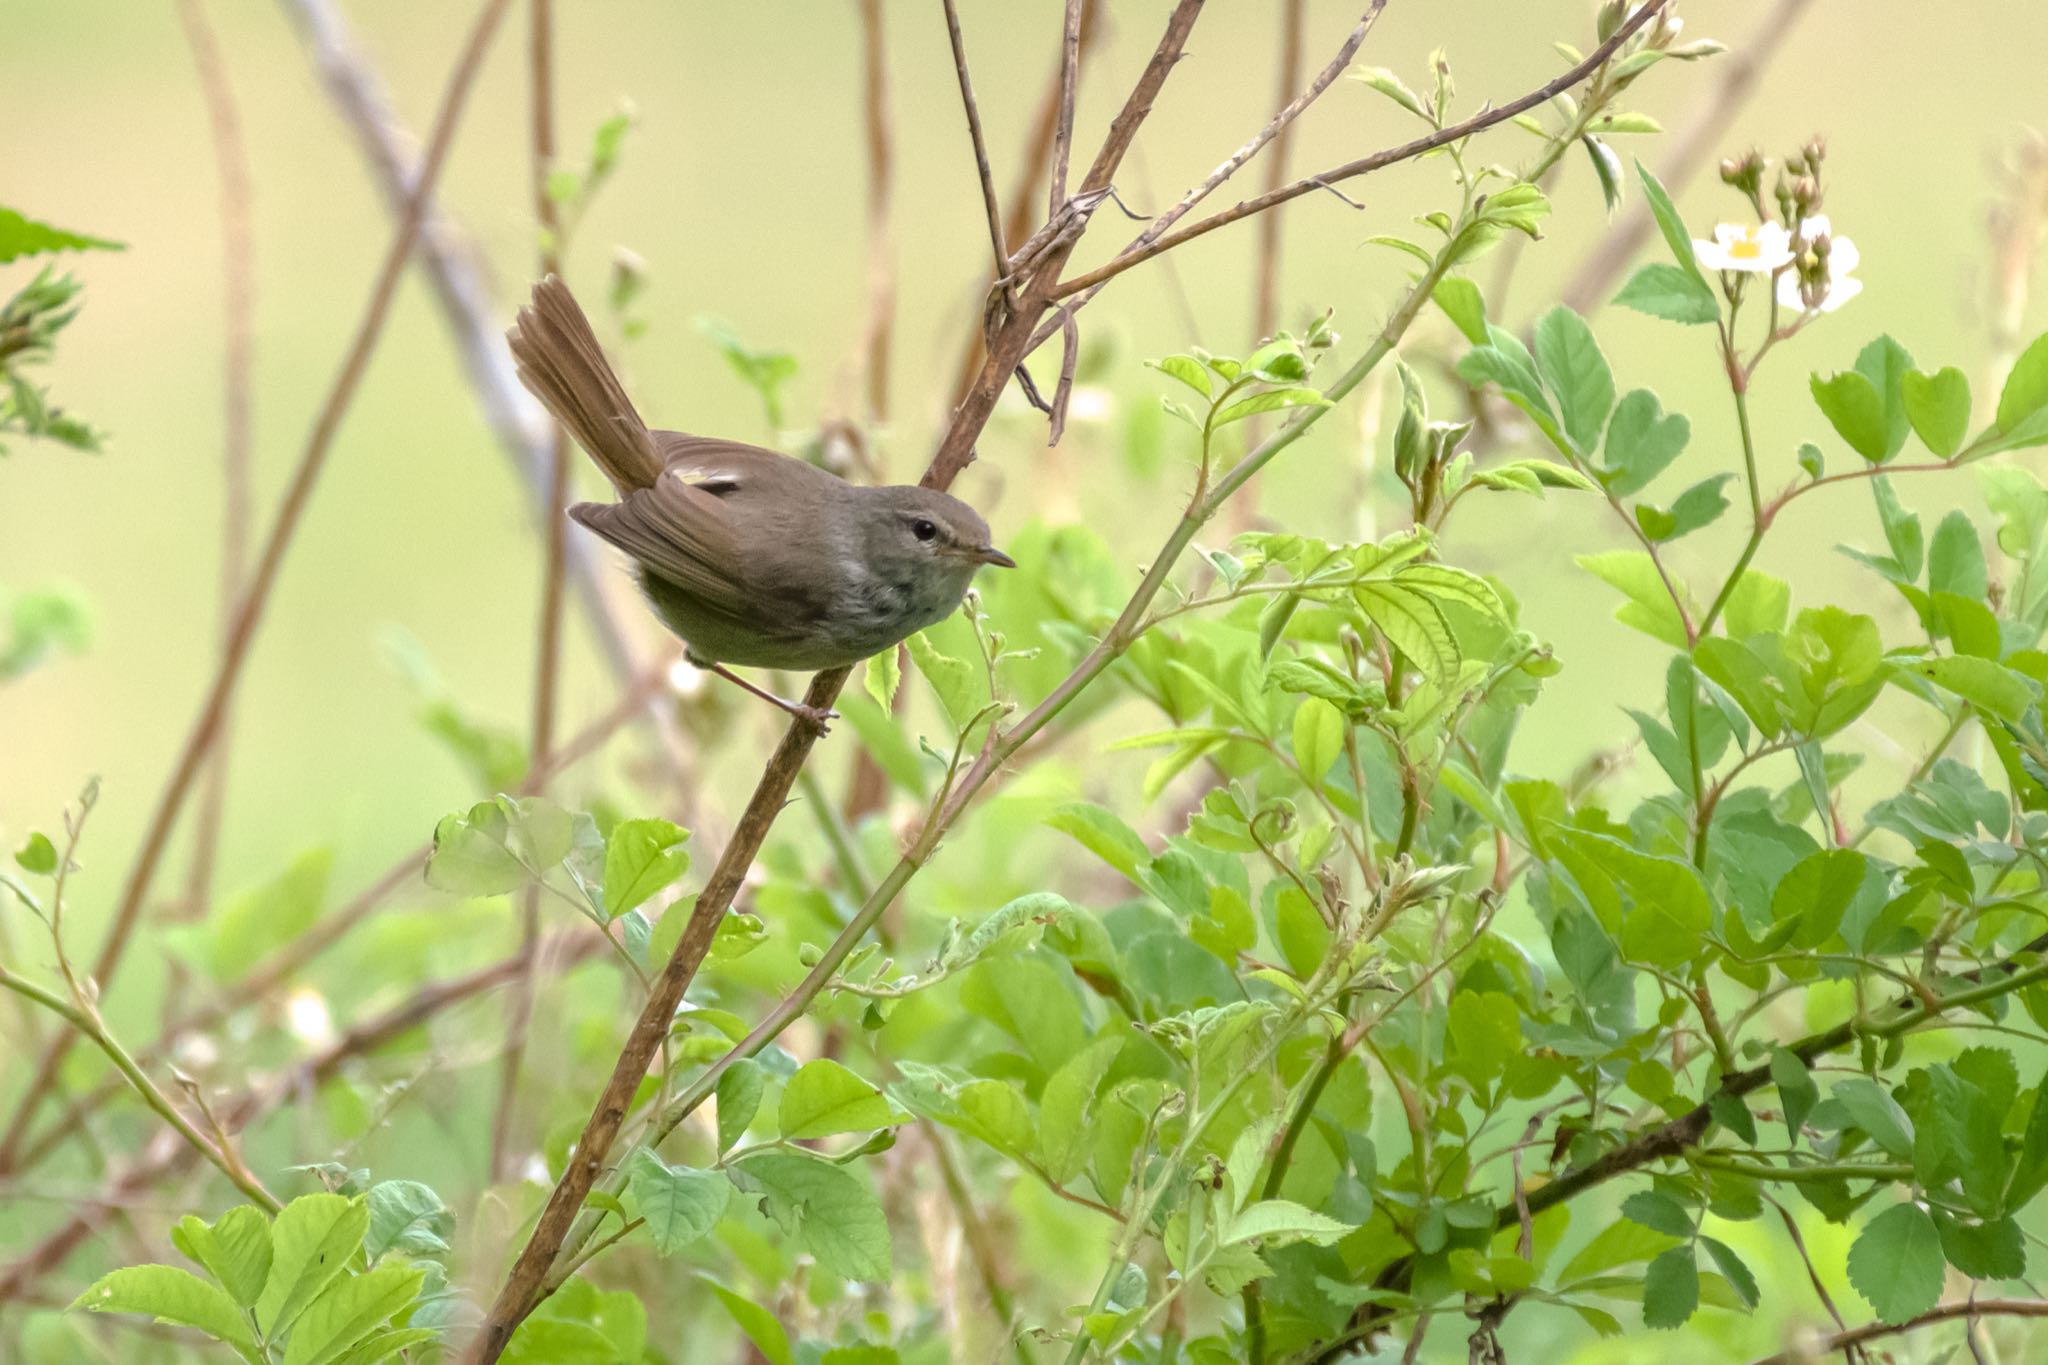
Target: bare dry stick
{"x":1063,"y":127}
{"x":170,"y":1155}
{"x":238,"y":291}
{"x":1365,"y":165}
{"x":1736,"y":78}
{"x":1947,"y":1312}
{"x":1031,"y":172}
{"x":263,"y":979}
{"x":250,"y":613}
{"x":981,"y":166}
{"x":530,"y":1271}
{"x":548,"y":649}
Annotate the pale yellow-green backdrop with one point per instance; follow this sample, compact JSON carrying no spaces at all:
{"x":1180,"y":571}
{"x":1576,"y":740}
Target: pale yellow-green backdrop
{"x":742,"y":187}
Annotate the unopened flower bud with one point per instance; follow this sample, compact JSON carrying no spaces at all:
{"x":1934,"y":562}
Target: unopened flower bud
{"x":1611,"y":15}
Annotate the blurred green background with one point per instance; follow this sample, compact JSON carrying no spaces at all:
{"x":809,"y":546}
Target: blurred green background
{"x":743,"y":187}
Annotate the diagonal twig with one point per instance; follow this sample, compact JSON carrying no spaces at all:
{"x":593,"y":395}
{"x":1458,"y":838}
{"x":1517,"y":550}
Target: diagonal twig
{"x":989,"y":203}
{"x":530,"y":1270}
{"x":249,"y":613}
{"x":1365,"y":165}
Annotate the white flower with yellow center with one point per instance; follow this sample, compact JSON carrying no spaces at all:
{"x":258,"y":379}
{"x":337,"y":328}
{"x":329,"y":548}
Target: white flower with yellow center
{"x":1760,"y":249}
{"x":1842,"y":257}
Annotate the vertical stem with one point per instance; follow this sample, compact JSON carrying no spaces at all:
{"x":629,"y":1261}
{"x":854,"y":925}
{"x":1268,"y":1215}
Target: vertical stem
{"x":547,"y":666}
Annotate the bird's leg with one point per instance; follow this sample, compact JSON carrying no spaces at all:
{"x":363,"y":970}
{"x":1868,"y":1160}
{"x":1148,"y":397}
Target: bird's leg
{"x":816,"y":717}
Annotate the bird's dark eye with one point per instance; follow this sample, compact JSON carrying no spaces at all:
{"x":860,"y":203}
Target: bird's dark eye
{"x":923,"y":529}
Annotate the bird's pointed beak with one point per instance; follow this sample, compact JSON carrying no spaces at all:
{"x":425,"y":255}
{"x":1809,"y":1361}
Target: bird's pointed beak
{"x":989,"y":554}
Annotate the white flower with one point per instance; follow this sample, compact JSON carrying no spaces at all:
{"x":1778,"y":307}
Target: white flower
{"x":1760,"y":249}
{"x":1842,"y":258}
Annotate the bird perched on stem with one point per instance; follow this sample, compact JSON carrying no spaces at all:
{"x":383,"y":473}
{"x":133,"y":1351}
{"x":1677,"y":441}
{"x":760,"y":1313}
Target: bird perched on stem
{"x":749,"y":556}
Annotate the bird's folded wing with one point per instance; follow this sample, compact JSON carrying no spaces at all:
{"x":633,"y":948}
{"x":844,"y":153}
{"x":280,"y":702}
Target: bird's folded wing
{"x":679,"y":533}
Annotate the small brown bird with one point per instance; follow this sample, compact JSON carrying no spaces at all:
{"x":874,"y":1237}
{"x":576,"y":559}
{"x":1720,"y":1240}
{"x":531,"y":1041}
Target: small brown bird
{"x":748,"y":555}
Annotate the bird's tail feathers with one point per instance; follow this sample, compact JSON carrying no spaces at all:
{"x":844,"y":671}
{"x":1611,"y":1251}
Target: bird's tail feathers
{"x":562,"y":365}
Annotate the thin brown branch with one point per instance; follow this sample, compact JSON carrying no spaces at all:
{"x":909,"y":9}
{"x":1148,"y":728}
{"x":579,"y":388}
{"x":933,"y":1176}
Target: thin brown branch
{"x":1147,"y":243}
{"x":238,"y":291}
{"x":1136,"y":255}
{"x":263,"y":980}
{"x":249,"y":614}
{"x":548,"y":648}
{"x":987,"y":177}
{"x":529,"y":1272}
{"x":1875,"y":1331}
{"x":1033,"y":167}
{"x":1063,"y":125}
{"x":1736,"y":76}
{"x":1007,"y":348}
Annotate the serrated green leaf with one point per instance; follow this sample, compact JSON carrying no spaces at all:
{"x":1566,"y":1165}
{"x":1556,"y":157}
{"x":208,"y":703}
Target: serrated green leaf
{"x":313,"y":1239}
{"x":171,"y":1295}
{"x":1896,"y":1262}
{"x":349,"y":1310}
{"x":679,"y":1204}
{"x":829,"y":1209}
{"x":1938,"y":406}
{"x":825,"y":1098}
{"x":1571,"y":364}
{"x":235,"y":1250}
{"x":1671,"y":1288}
{"x":640,"y":858}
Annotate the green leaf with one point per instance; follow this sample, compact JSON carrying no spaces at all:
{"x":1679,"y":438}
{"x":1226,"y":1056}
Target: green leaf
{"x":1570,"y":362}
{"x":1606,"y":169}
{"x":1896,"y":1262}
{"x":313,"y":1240}
{"x":1275,"y":1222}
{"x":829,"y":1209}
{"x":1659,"y":1212}
{"x":1641,"y":441}
{"x":350,"y":1310}
{"x":1463,"y":305}
{"x":1737,"y":1274}
{"x":250,"y":925}
{"x":1102,"y":833}
{"x":1671,"y":1288}
{"x":1649,"y":607}
{"x":679,"y":1204}
{"x":171,"y":1295}
{"x":1797,"y":1094}
{"x":1269,"y":401}
{"x":1877,"y":1114}
{"x":1698,"y":506}
{"x":1817,"y":892}
{"x":1484,"y":1031}
{"x":881,"y":674}
{"x":1901,"y":529}
{"x":1856,"y":411}
{"x":739,"y":1097}
{"x":381,"y":1347}
{"x":235,"y":1250}
{"x":952,"y":679}
{"x":1388,"y":84}
{"x":1667,"y":292}
{"x":20,"y":236}
{"x":1938,"y":406}
{"x":406,"y":1216}
{"x":2026,"y":386}
{"x":640,"y":858}
{"x":1187,"y":370}
{"x":1955,"y":559}
{"x":497,"y":846}
{"x":1066,"y":1109}
{"x":825,"y":1098}
{"x":1994,"y":1250}
{"x":1990,"y":687}
{"x":1661,"y":904}
{"x":1318,"y":737}
{"x":759,"y":1325}
{"x":37,"y":855}
{"x":1885,"y":364}
{"x":1759,"y":605}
